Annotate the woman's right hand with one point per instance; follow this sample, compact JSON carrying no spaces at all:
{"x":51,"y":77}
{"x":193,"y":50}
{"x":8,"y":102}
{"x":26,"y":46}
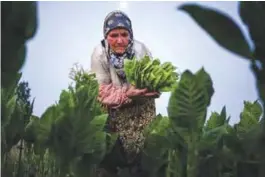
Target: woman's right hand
{"x":112,"y":96}
{"x":134,"y":92}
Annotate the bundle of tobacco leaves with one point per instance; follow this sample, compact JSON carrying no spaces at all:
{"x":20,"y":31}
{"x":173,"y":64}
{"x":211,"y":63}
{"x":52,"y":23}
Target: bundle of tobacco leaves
{"x":151,"y":74}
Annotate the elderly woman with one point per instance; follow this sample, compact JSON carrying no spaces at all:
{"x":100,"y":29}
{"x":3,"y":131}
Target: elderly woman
{"x":128,"y":115}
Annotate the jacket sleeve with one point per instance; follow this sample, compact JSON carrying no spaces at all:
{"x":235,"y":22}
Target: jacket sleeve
{"x":146,"y":51}
{"x":99,"y":67}
{"x":141,"y":50}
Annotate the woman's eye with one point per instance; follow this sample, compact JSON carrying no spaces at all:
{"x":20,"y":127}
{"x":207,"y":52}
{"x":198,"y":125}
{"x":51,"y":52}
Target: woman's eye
{"x":124,"y":34}
{"x":114,"y":35}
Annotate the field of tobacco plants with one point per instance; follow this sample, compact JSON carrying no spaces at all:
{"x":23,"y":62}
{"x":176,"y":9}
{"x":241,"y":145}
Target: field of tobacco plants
{"x":68,"y":139}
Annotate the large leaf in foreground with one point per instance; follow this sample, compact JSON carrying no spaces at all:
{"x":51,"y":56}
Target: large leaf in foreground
{"x":18,"y":24}
{"x":188,"y":103}
{"x":220,"y":27}
{"x":252,"y":13}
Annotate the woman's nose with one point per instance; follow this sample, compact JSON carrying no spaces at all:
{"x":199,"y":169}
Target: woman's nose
{"x":119,"y":39}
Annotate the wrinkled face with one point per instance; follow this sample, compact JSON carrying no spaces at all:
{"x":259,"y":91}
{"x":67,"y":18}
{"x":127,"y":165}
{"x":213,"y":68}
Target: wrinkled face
{"x":118,"y":40}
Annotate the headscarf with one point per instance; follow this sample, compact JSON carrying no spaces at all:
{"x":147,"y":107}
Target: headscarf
{"x":114,"y":20}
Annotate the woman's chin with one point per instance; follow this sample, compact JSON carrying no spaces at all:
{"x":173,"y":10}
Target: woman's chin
{"x":119,"y":51}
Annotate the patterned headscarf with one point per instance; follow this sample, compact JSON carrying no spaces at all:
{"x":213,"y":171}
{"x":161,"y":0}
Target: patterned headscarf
{"x":118,"y":19}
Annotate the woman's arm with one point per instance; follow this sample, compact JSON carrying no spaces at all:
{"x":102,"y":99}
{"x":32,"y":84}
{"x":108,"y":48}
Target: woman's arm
{"x":99,"y":67}
{"x":109,"y":94}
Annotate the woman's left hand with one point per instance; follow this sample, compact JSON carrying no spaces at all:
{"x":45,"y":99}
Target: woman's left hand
{"x":152,"y":94}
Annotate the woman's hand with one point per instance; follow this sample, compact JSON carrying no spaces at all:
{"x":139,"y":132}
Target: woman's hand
{"x":112,"y":96}
{"x":152,"y":94}
{"x":134,"y":92}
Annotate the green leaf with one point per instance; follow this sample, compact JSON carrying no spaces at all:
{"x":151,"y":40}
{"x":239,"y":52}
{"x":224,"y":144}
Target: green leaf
{"x":157,"y":144}
{"x":8,"y":107}
{"x":32,"y":21}
{"x":216,"y":120}
{"x":252,"y":13}
{"x":249,"y":117}
{"x":221,"y":28}
{"x":206,"y":81}
{"x":47,"y":121}
{"x":19,"y":24}
{"x":98,"y":123}
{"x":15,"y":128}
{"x":78,"y":124}
{"x":233,"y":143}
{"x":31,"y":130}
{"x":187,"y":105}
{"x":214,"y":134}
{"x":151,"y":74}
{"x":158,"y":126}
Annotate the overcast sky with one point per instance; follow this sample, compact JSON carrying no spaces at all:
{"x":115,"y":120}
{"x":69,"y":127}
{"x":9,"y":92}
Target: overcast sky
{"x":68,"y":32}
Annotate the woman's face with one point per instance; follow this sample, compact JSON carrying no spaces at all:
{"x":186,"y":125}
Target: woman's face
{"x":118,"y":40}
